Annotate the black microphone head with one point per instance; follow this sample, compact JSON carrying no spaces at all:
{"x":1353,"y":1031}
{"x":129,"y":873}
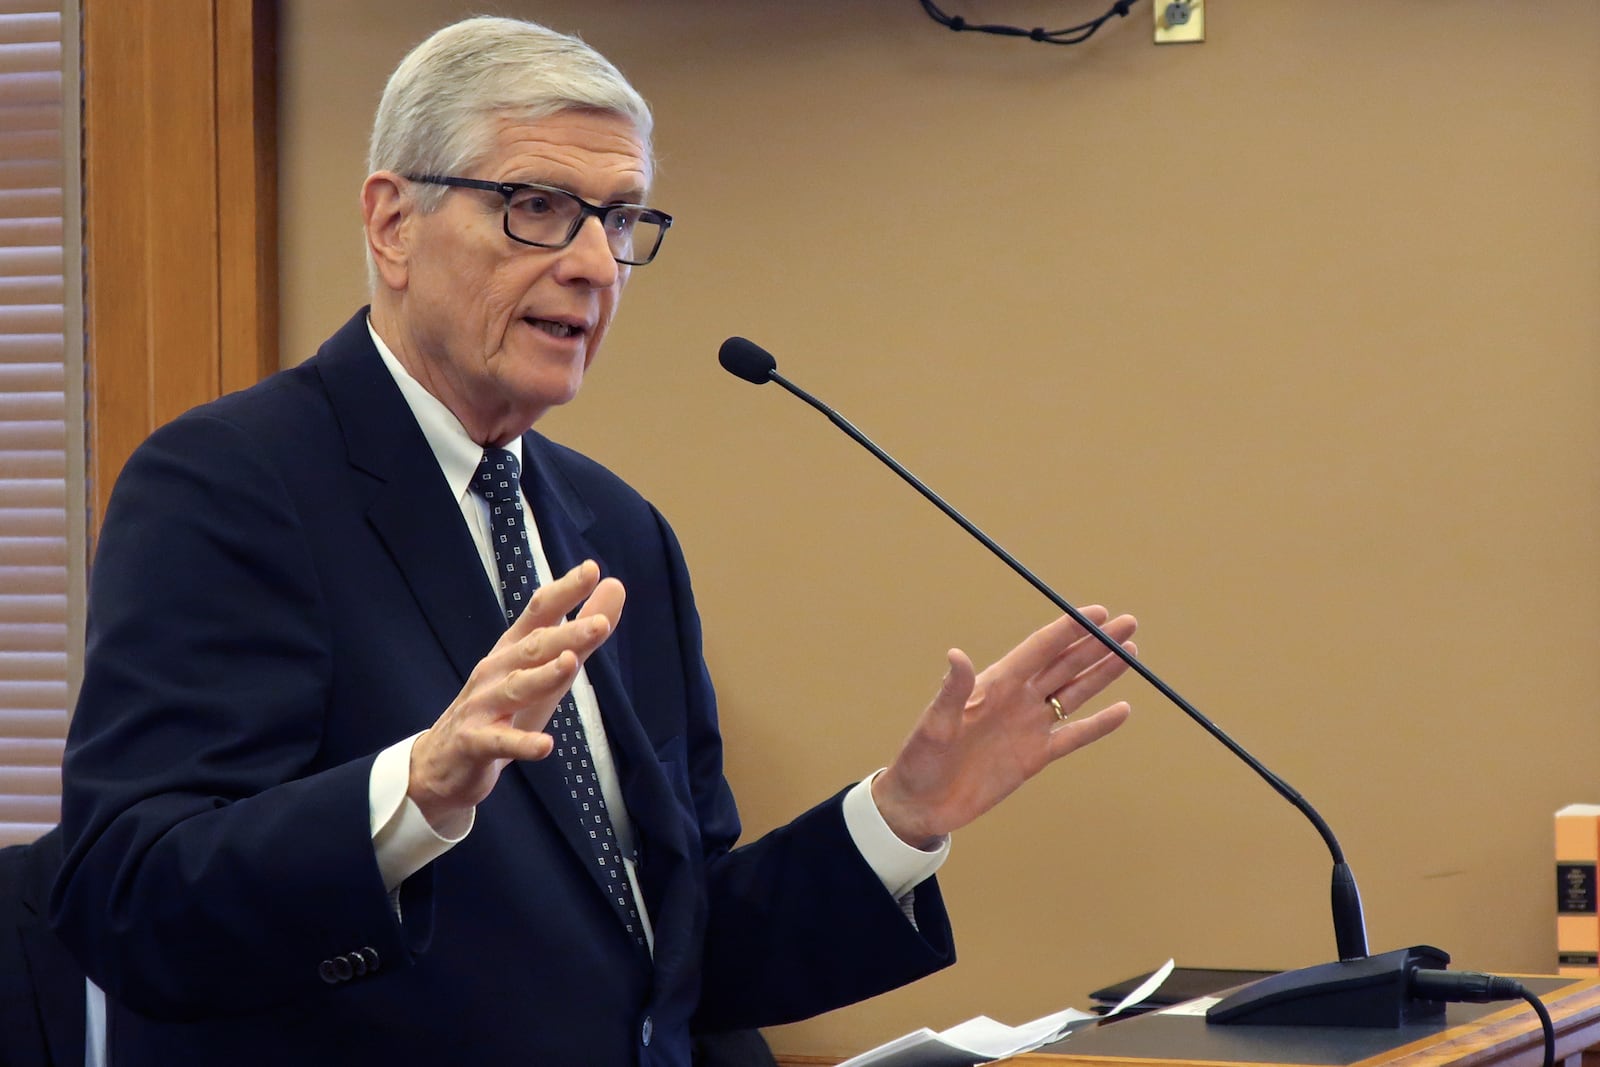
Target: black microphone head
{"x":747,"y":360}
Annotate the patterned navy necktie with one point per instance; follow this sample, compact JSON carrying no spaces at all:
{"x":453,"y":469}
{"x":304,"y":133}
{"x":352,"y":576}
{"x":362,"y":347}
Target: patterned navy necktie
{"x":497,"y":482}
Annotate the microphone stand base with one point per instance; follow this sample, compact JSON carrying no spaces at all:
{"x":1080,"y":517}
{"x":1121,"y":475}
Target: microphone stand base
{"x":1372,"y":992}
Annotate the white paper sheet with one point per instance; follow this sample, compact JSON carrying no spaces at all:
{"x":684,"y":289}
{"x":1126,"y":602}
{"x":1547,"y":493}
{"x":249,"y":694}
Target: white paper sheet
{"x":981,"y":1039}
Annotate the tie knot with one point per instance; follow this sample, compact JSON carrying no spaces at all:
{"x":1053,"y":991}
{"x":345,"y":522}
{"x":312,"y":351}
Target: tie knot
{"x":497,"y":476}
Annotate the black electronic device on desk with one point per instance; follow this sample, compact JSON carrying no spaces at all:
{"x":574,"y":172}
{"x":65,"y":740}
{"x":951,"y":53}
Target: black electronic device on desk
{"x":1183,"y":984}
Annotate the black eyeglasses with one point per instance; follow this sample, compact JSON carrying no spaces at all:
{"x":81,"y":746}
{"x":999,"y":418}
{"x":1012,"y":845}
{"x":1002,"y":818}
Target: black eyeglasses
{"x":546,"y":217}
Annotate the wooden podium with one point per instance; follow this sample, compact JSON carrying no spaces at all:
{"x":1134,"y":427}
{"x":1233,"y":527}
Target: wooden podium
{"x":1471,"y":1035}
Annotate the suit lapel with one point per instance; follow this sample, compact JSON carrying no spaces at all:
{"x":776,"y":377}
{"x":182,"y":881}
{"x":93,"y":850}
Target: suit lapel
{"x":654,"y":811}
{"x":408,"y":502}
{"x":562,"y":518}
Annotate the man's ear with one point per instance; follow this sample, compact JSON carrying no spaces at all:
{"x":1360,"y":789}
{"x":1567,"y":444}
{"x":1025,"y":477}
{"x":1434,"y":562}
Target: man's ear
{"x":386,"y":213}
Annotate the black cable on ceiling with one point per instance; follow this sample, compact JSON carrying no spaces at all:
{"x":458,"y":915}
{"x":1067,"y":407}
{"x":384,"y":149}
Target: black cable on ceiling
{"x":1070,"y":35}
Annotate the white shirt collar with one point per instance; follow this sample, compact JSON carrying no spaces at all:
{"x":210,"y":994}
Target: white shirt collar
{"x":458,"y":454}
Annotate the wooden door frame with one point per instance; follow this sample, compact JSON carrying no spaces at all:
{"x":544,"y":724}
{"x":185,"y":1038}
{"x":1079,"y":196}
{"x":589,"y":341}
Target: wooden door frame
{"x":179,"y":214}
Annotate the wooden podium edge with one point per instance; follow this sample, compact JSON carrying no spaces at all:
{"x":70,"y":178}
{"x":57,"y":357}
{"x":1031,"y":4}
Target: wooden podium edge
{"x":1510,"y":1036}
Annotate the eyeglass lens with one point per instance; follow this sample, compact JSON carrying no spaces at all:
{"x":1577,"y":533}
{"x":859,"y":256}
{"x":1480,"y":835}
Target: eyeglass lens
{"x":552,"y":217}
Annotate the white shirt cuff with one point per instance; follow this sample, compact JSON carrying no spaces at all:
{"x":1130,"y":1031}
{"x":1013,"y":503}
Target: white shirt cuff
{"x":899,"y":866}
{"x":401,"y":835}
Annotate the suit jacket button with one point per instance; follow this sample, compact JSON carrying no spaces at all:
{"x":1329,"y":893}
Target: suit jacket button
{"x":328,"y":973}
{"x":647,"y":1031}
{"x":370,"y":955}
{"x":342,"y":968}
{"x":358,"y":963}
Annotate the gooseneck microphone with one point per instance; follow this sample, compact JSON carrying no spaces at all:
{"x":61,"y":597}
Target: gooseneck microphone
{"x":1360,"y":990}
{"x":748,"y":360}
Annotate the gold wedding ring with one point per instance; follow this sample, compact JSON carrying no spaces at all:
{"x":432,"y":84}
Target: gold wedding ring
{"x":1055,"y":705}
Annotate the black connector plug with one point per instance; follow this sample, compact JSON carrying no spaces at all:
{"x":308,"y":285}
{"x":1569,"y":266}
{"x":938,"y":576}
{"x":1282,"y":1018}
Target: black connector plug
{"x":1475,"y":988}
{"x":1463,"y":987}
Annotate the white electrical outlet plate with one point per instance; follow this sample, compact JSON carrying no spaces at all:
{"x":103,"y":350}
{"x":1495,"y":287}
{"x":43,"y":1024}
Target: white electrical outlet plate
{"x":1179,"y":21}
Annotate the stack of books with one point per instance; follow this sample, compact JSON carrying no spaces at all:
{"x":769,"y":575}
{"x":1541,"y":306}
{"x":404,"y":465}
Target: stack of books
{"x":1577,"y":924}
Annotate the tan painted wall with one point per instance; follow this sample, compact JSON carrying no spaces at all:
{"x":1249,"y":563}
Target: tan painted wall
{"x":1287,"y":342}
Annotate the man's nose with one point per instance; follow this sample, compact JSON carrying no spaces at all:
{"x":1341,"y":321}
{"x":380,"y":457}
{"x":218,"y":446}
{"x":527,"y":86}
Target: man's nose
{"x":588,"y":258}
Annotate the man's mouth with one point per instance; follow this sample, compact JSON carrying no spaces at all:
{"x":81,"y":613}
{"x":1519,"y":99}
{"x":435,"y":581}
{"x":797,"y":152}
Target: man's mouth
{"x":554,"y":329}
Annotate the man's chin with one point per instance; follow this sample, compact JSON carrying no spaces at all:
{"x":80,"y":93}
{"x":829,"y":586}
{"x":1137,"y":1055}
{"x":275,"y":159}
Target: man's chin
{"x":536,"y":401}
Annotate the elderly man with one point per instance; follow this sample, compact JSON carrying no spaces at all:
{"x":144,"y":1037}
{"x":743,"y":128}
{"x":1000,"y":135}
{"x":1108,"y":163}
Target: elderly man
{"x":371,"y":764}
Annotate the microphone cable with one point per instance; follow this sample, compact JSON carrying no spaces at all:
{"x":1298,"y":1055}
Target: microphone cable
{"x":1476,"y":988}
{"x":1070,"y":35}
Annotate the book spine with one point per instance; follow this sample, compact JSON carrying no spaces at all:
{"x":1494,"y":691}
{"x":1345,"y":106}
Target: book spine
{"x":1577,"y":921}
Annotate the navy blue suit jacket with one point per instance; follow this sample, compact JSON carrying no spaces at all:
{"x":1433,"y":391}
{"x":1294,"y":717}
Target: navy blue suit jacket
{"x":283,"y":586}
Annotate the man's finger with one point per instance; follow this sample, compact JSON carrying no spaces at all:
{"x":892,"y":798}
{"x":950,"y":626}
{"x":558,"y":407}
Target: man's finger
{"x":546,"y":644}
{"x":607,"y":599}
{"x":544,"y":682}
{"x":1101,"y":674}
{"x":1083,"y":654}
{"x":487,"y":743}
{"x":552,"y":601}
{"x":510,"y":743}
{"x":1048,"y":642}
{"x":956,"y":687}
{"x":1071,"y":736}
